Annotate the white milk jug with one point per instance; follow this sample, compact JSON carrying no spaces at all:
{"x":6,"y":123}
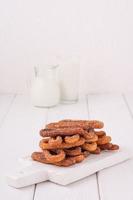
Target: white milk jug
{"x":45,"y":91}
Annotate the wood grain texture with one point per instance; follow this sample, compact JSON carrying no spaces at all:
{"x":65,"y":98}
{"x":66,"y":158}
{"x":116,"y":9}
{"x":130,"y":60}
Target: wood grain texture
{"x":115,"y":182}
{"x":20,"y":124}
{"x":19,"y":136}
{"x":83,"y":189}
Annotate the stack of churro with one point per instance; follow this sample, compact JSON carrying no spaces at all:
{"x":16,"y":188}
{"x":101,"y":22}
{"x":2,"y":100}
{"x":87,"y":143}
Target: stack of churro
{"x":68,"y":142}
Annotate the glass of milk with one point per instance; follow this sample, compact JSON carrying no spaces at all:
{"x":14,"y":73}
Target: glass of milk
{"x":69,"y":80}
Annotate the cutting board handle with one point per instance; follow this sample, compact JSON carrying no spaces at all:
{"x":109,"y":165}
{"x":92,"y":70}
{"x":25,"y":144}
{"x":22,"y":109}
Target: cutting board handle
{"x":27,"y":176}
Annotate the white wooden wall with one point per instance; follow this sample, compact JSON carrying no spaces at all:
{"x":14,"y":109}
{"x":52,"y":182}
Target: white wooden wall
{"x":100,"y":32}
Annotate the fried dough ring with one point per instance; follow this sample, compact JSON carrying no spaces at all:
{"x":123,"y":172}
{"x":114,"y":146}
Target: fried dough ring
{"x":39,"y":156}
{"x":73,"y":151}
{"x":52,"y":132}
{"x":94,"y":139}
{"x":54,"y":158}
{"x":100,"y":133}
{"x":89,"y":134}
{"x":104,"y":140}
{"x":71,"y":139}
{"x":85,"y":124}
{"x":109,"y":146}
{"x":114,"y":147}
{"x":70,"y":161}
{"x":79,"y":158}
{"x":63,"y":145}
{"x":90,"y":146}
{"x":97,"y":151}
{"x":46,"y":139}
{"x":66,"y":163}
{"x":55,"y":141}
{"x":105,"y":146}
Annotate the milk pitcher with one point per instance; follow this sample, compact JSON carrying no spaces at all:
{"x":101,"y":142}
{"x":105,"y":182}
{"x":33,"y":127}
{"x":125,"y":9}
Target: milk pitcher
{"x":45,"y":91}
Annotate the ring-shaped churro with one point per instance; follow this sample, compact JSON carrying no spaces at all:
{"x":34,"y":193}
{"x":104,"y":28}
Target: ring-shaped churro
{"x":85,"y":124}
{"x":60,"y":155}
{"x":68,"y":131}
{"x":94,"y":139}
{"x":97,"y":151}
{"x":104,"y":140}
{"x":39,"y":156}
{"x":63,"y":145}
{"x":71,"y":139}
{"x":89,"y":134}
{"x":90,"y":146}
{"x":82,"y":123}
{"x":73,"y":151}
{"x":114,"y":147}
{"x":105,"y":146}
{"x":100,"y":133}
{"x":55,"y":141}
{"x":109,"y":146}
{"x":70,"y":161}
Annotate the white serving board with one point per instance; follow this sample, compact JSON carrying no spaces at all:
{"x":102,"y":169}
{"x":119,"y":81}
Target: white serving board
{"x":34,"y":172}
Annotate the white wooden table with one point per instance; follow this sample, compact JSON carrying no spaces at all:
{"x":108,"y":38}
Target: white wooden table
{"x":19,"y":127}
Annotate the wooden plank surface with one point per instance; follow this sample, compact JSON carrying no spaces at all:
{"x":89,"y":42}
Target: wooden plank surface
{"x":83,"y":189}
{"x":19,"y":136}
{"x":115,"y":182}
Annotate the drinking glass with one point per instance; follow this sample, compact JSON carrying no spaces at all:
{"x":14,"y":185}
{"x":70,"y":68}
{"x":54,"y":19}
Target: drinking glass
{"x":69,"y":80}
